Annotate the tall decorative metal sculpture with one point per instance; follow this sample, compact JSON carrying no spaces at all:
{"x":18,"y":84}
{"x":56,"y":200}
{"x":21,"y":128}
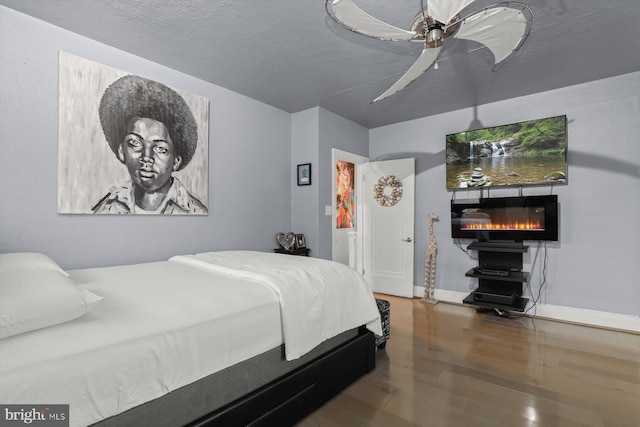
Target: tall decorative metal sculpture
{"x":430,"y":264}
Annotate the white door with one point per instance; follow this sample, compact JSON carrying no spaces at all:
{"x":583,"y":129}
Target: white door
{"x":387,"y":231}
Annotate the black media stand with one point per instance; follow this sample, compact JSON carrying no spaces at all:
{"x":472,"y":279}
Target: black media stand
{"x":500,"y":276}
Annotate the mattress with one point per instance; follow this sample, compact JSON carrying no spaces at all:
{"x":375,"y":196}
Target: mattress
{"x":159,"y":327}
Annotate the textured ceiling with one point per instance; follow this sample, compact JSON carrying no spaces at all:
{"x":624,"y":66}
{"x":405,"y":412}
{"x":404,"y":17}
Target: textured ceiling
{"x":290,"y":54}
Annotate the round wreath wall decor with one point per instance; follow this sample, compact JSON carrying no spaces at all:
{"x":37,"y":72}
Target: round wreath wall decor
{"x":387,"y":199}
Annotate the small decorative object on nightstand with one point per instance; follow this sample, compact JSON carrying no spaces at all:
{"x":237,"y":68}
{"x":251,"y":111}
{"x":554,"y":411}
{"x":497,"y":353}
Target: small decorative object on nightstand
{"x":291,"y":244}
{"x":286,"y":240}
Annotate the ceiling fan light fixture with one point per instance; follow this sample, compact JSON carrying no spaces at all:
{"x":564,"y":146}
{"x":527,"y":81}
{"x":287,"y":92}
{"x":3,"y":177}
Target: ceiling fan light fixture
{"x":432,"y":32}
{"x":435,"y":37}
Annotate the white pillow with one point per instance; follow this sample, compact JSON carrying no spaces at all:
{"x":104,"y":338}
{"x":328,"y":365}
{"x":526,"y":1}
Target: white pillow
{"x":20,"y":261}
{"x":34,"y":299}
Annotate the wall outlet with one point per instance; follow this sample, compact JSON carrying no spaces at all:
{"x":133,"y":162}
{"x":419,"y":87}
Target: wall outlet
{"x":327,"y":210}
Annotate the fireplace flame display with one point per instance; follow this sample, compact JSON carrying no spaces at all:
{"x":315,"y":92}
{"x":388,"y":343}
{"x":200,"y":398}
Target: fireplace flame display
{"x":514,"y":226}
{"x":506,"y":218}
{"x":503,"y":219}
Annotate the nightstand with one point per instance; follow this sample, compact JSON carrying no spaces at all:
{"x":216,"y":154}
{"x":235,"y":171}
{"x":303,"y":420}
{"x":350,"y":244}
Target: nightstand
{"x":301,"y":251}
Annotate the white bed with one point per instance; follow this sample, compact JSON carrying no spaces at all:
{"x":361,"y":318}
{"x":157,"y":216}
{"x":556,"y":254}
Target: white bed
{"x":162,"y":326}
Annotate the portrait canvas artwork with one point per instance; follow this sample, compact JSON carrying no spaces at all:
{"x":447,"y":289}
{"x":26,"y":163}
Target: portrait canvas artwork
{"x":128,"y":144}
{"x":345,"y":203}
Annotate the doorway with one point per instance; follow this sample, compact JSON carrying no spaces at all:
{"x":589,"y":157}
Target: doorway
{"x":344,"y":205}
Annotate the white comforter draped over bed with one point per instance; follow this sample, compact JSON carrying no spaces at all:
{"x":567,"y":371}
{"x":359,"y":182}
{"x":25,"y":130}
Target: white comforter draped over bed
{"x":318,"y":299}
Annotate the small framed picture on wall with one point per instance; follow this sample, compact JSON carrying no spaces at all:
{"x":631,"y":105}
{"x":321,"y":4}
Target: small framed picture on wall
{"x":304,"y":174}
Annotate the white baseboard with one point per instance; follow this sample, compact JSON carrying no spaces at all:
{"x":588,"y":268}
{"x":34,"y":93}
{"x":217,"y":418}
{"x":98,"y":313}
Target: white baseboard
{"x":556,"y":312}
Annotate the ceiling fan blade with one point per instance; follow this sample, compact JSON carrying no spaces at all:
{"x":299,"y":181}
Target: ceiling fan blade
{"x":445,"y":10}
{"x":347,"y":14}
{"x":422,"y":64}
{"x":501,"y":29}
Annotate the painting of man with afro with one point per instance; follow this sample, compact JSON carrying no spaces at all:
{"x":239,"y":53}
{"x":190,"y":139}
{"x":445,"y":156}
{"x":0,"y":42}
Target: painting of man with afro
{"x":141,"y":148}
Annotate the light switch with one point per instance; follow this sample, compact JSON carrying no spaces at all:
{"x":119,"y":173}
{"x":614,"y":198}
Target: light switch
{"x":327,"y":210}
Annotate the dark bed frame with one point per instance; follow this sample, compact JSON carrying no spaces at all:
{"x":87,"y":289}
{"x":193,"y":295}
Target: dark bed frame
{"x":292,"y":397}
{"x":287,"y":398}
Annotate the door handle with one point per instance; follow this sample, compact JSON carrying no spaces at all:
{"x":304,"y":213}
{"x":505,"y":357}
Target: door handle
{"x":408,"y":239}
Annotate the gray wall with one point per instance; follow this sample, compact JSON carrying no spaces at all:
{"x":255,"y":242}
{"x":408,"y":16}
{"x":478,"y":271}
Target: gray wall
{"x":304,"y":199}
{"x":314,"y":133}
{"x":335,"y":132}
{"x":594,"y":265}
{"x":249,"y":161}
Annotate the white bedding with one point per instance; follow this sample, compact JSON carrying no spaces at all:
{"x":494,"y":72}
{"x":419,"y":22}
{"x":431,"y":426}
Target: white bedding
{"x":163,"y":325}
{"x":174,"y":325}
{"x":318,"y":298}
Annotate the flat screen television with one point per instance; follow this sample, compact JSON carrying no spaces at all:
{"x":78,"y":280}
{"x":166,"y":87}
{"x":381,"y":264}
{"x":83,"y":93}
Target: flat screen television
{"x":506,"y":218}
{"x":525,"y":153}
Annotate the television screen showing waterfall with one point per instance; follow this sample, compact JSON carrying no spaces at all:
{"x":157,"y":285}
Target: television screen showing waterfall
{"x":526,"y":153}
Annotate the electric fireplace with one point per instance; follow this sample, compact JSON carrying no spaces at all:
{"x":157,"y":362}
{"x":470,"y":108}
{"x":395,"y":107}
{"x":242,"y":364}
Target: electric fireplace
{"x":506,"y":218}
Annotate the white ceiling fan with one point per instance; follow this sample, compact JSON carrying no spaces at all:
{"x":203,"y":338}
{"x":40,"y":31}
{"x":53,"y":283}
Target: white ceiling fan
{"x":502,"y":27}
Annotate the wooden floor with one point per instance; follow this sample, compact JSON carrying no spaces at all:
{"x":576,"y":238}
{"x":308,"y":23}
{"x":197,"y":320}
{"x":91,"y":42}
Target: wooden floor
{"x":446,"y":365}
